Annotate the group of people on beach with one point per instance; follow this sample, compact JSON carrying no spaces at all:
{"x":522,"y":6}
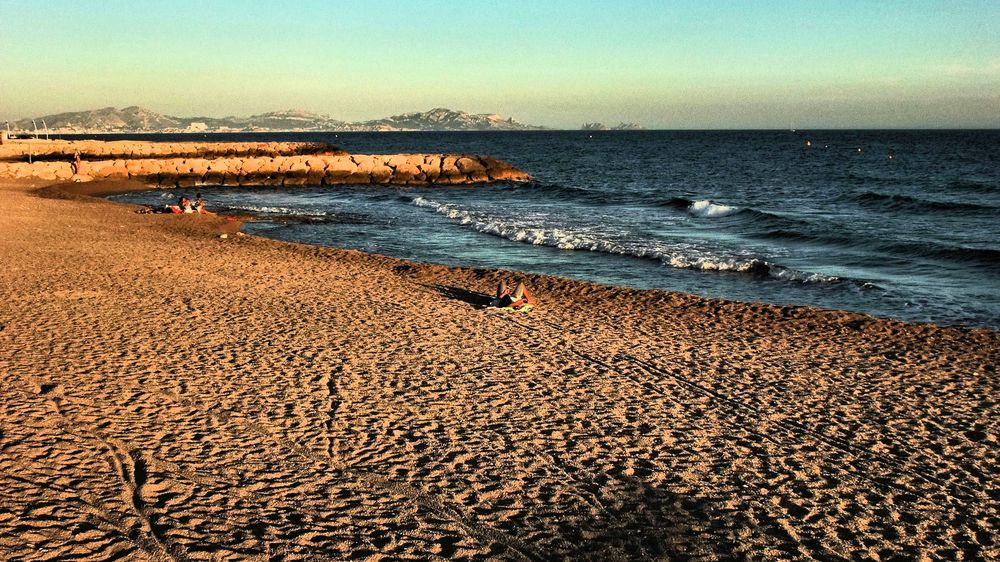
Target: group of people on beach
{"x":186,"y":206}
{"x":183,"y":206}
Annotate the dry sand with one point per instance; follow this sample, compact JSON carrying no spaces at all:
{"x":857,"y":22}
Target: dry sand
{"x":169,"y":394}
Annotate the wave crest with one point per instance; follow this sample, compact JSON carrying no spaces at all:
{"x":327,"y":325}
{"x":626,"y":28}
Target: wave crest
{"x":706,"y":209}
{"x":569,"y":239}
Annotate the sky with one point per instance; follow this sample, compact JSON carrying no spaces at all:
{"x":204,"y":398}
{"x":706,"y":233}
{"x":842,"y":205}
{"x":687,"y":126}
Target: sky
{"x":698,"y":64}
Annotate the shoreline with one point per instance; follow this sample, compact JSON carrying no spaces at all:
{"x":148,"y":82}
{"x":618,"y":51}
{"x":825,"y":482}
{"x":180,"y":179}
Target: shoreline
{"x":173,"y":394}
{"x":116,"y":186}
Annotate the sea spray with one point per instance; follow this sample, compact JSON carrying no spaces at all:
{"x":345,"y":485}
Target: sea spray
{"x":707,"y":209}
{"x":569,"y":239}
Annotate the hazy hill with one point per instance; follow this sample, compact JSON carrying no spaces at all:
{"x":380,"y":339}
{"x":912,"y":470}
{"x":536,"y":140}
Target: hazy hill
{"x":441,"y":119}
{"x":141,"y":120}
{"x":130,"y":118}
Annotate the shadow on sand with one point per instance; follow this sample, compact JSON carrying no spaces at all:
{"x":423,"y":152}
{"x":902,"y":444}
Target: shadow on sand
{"x":477,"y":300}
{"x":641,"y":522}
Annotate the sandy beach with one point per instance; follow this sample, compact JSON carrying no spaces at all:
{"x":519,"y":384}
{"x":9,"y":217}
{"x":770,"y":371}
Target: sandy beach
{"x":171,"y":394}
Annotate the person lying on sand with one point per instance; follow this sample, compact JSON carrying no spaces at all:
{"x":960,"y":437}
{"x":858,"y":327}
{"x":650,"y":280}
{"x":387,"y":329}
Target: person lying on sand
{"x":517,"y":299}
{"x":184,"y":206}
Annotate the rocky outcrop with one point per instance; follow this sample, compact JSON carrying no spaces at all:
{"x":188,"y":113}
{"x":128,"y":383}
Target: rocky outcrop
{"x":241,"y":167}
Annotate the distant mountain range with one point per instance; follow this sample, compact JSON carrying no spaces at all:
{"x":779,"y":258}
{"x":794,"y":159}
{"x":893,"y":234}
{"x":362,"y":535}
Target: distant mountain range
{"x":141,"y":120}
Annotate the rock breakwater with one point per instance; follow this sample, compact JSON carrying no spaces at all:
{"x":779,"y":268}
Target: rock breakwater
{"x":243,"y":164}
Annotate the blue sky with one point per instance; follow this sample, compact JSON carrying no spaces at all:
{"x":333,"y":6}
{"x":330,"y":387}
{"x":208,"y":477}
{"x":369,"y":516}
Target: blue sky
{"x":694,"y":64}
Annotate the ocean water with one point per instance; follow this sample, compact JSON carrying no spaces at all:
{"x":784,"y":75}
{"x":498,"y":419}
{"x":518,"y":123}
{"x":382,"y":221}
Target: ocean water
{"x":900,"y":224}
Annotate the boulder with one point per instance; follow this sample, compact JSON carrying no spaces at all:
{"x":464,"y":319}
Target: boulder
{"x":110,"y":169}
{"x":250,"y":166}
{"x":340,"y":164}
{"x":365,"y":162}
{"x":47,"y":170}
{"x":431,"y":167}
{"x":215,"y":177}
{"x":381,"y":173}
{"x":197,"y":166}
{"x":316,"y":170}
{"x":145,"y":168}
{"x":397,"y":160}
{"x":338,"y":170}
{"x":469,"y":166}
{"x":508,"y":174}
{"x":358,"y":178}
{"x":315,"y":177}
{"x":296,"y":168}
{"x":409,"y":173}
{"x":449,"y":170}
{"x":63,"y":171}
{"x":172,"y":166}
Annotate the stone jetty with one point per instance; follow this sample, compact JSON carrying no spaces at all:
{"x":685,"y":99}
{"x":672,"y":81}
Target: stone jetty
{"x":170,"y":164}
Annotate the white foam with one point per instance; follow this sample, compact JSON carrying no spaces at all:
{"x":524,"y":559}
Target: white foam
{"x":278,"y":210}
{"x":568,"y":239}
{"x":706,"y":209}
{"x":562,"y":238}
{"x":786,"y":274}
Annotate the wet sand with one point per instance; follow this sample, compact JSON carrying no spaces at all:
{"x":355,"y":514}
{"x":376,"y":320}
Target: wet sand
{"x":172,"y":395}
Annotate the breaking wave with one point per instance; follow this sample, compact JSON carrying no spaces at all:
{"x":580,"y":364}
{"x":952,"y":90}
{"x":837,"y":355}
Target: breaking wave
{"x":703,"y":207}
{"x":284,"y":215}
{"x":706,"y":209}
{"x":761,"y":220}
{"x":275,"y":210}
{"x":579,"y":239}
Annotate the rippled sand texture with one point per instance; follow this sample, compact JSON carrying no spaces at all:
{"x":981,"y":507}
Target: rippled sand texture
{"x":171,"y":395}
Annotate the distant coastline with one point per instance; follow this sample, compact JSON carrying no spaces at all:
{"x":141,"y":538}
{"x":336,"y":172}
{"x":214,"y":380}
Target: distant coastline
{"x":110,"y":120}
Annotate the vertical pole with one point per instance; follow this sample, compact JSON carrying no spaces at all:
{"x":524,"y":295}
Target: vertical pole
{"x":46,"y":127}
{"x":35,"y":125}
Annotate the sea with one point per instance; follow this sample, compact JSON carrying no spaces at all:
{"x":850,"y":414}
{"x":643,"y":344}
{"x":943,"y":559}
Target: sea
{"x":901,"y":224}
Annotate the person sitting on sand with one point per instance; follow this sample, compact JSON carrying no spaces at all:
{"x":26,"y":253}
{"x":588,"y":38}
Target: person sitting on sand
{"x":199,"y":205}
{"x":185,"y":205}
{"x":517,"y":299}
